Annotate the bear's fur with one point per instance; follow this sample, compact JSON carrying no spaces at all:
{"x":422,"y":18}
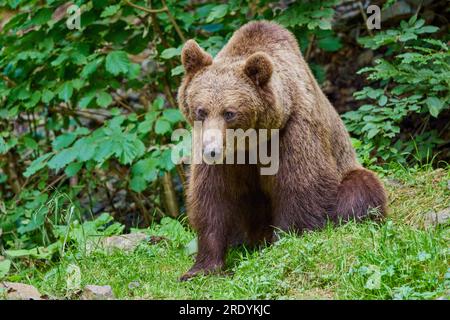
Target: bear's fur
{"x":261,"y":76}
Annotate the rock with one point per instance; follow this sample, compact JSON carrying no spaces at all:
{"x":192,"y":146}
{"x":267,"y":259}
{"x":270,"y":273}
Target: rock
{"x":393,"y":182}
{"x":448,"y":184}
{"x":133,"y":285}
{"x":434,"y":219}
{"x":126,"y":242}
{"x":93,"y":292}
{"x":365,"y":58}
{"x":20,"y":291}
{"x":2,"y":258}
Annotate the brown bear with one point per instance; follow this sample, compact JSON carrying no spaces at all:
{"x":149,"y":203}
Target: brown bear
{"x":260,"y":80}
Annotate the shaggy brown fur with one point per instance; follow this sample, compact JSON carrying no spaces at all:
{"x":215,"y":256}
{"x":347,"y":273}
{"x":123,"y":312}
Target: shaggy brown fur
{"x":261,"y":76}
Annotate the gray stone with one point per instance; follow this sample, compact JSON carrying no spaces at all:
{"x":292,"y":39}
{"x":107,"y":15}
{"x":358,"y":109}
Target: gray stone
{"x":365,"y":58}
{"x":392,"y":182}
{"x":133,"y":285}
{"x":93,"y":292}
{"x":19,"y":291}
{"x":126,"y":242}
{"x":436,"y":218}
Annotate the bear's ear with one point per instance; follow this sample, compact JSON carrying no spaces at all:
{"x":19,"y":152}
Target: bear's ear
{"x":194,"y":58}
{"x":259,"y":67}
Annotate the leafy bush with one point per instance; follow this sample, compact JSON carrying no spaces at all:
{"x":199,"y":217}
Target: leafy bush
{"x":90,"y":112}
{"x":414,"y":78}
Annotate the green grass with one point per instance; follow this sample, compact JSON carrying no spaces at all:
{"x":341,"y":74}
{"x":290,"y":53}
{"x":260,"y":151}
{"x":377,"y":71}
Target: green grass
{"x":397,"y":259}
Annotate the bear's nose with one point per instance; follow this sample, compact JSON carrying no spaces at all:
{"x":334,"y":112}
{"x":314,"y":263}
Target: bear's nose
{"x":212,"y":153}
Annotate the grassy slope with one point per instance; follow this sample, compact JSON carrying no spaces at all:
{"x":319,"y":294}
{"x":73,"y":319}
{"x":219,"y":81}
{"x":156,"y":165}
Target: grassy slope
{"x":335,"y":263}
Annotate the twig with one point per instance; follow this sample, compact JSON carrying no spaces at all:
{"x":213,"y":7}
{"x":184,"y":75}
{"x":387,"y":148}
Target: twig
{"x":309,"y":49}
{"x":363,"y":13}
{"x":61,"y":177}
{"x":174,"y":23}
{"x":123,"y":104}
{"x":168,"y":93}
{"x":170,"y":195}
{"x":11,"y":82}
{"x":181,"y":174}
{"x":163,"y":9}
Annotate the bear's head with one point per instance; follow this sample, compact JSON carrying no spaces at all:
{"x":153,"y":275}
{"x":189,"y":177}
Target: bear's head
{"x":227,"y":93}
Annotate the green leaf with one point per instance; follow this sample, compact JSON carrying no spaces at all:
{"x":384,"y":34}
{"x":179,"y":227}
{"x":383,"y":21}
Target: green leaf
{"x":37,"y":220}
{"x":162,"y":126}
{"x":145,"y":126}
{"x":104,"y":99}
{"x":6,"y":146}
{"x":330,"y":44}
{"x":30,"y":143}
{"x":146,"y":168}
{"x":34,"y":99}
{"x":38,"y":253}
{"x":192,"y":247}
{"x":47,"y":96}
{"x":84,"y":102}
{"x":173,"y":115}
{"x":64,"y":140}
{"x":85,"y":148}
{"x":91,"y":67}
{"x":158,"y":103}
{"x":171,"y":52}
{"x":130,"y":149}
{"x":382,"y":100}
{"x":165,"y":160}
{"x":41,"y":17}
{"x":177,"y":71}
{"x":117,"y":62}
{"x":62,"y":159}
{"x":65,"y":91}
{"x":325,"y":24}
{"x":427,"y":29}
{"x":217,"y":12}
{"x":73,"y":168}
{"x":134,"y":71}
{"x":5,"y":265}
{"x":73,"y":277}
{"x":435,"y":106}
{"x":110,"y":11}
{"x":372,"y":133}
{"x":138,"y":184}
{"x":37,"y":165}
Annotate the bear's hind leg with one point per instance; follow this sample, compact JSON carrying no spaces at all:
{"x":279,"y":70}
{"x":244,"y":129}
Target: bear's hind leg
{"x":359,"y":192}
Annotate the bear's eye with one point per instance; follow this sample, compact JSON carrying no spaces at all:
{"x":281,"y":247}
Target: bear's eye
{"x":201,"y":114}
{"x":229,"y":115}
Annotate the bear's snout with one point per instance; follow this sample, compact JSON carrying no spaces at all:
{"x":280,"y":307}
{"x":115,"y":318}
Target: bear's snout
{"x":212,"y":152}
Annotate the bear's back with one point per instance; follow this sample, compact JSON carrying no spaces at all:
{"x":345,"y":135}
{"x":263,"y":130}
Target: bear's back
{"x":257,"y":36}
{"x":299,"y":94}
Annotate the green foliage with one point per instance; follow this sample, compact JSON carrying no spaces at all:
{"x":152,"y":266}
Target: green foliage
{"x":86,"y":118}
{"x":70,"y":119}
{"x":413,"y":79}
{"x":48,"y":227}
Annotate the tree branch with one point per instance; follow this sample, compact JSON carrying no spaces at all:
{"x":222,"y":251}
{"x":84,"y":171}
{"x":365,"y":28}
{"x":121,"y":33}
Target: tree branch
{"x":163,"y":9}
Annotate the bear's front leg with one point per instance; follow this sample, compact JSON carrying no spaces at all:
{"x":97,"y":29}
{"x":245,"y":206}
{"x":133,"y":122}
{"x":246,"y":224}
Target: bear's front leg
{"x":211,"y":254}
{"x":210,"y":211}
